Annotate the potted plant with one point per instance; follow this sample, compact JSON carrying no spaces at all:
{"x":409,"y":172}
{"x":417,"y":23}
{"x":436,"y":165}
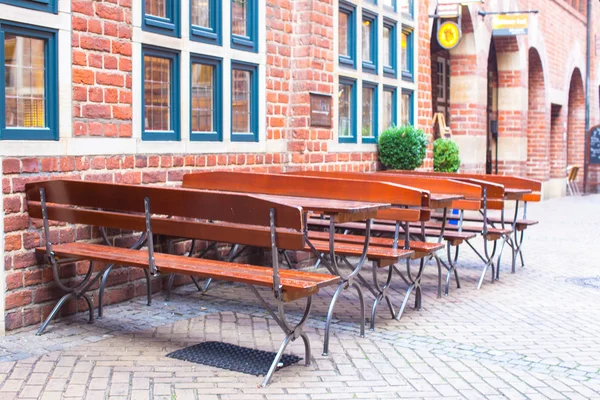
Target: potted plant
{"x":446,"y":158}
{"x":402,"y":147}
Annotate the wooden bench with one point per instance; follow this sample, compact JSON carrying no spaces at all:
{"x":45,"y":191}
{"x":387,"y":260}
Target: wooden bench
{"x":145,"y":209}
{"x":324,"y":188}
{"x":516,"y":189}
{"x":477,"y":195}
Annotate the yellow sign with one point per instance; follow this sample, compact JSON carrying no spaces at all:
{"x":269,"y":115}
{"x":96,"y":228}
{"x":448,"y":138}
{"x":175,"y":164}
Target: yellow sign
{"x":449,"y":35}
{"x":510,"y":25}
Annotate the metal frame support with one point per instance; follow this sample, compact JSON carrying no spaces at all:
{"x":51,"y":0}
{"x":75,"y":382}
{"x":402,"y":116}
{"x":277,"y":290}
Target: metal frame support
{"x":150,"y":241}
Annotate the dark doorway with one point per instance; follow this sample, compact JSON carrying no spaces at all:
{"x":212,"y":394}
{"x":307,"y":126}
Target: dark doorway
{"x":491,"y":163}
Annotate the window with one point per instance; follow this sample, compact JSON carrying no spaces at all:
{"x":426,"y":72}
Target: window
{"x":347,"y":111}
{"x":407,"y":108}
{"x":407,"y":7}
{"x":160,"y":96}
{"x":391,"y":4}
{"x":205,"y":24}
{"x":244,"y":24}
{"x":161,"y":16}
{"x":369,"y":113}
{"x":389,"y":48}
{"x":389,"y":107}
{"x":244,"y":102}
{"x":206,"y":115}
{"x":407,"y":55}
{"x":50,"y":6}
{"x":369,"y":42}
{"x":347,"y":35}
{"x":29,"y":88}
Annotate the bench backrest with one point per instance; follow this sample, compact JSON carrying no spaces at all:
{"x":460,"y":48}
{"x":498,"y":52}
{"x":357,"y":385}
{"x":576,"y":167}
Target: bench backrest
{"x":246,"y":218}
{"x":509,"y":181}
{"x":472,"y":191}
{"x":319,"y":188}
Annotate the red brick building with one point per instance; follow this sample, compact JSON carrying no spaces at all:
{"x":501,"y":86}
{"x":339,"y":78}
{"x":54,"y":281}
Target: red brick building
{"x":143,"y":92}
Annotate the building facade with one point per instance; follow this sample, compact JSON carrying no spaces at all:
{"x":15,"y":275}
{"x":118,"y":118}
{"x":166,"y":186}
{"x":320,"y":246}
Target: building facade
{"x":144,"y":92}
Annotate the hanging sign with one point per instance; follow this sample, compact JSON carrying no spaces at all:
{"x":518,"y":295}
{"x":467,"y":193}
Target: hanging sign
{"x":595,"y":145}
{"x":510,"y":24}
{"x":447,"y":10}
{"x":448,"y":35}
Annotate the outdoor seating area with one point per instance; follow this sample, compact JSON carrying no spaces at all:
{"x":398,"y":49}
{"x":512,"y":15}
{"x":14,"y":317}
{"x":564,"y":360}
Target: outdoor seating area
{"x":401,"y":222}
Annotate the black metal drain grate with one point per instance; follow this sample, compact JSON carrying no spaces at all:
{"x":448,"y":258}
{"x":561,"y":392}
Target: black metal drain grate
{"x":232,"y":357}
{"x":591,"y":282}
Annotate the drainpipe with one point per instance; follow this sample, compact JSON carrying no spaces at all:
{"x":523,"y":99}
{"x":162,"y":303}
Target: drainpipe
{"x":588,"y":57}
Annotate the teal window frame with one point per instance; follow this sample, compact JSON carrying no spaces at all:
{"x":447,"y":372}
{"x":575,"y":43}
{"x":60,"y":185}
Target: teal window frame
{"x":411,"y":106}
{"x":393,"y":7}
{"x":350,"y":60}
{"x":394,"y":91}
{"x":50,"y":6}
{"x":408,"y":74}
{"x":353,"y":109}
{"x":174,"y":134}
{"x":250,"y":42}
{"x":391,"y":70}
{"x":217,"y":134}
{"x":411,"y":9}
{"x":169,"y":26}
{"x":249,"y":136}
{"x":50,"y":132}
{"x":210,"y":35}
{"x":375,"y":111}
{"x":371,"y":66}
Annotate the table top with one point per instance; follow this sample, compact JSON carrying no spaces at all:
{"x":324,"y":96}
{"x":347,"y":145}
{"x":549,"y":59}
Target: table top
{"x":515,"y":194}
{"x":438,"y":200}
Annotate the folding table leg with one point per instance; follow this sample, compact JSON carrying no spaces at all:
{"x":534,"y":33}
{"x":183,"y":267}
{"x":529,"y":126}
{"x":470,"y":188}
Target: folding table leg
{"x":413,"y":285}
{"x":451,"y":267}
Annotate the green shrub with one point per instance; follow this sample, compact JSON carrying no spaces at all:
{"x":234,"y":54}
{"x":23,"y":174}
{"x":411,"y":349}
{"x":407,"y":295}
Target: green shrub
{"x":446,"y":157}
{"x":402,"y":147}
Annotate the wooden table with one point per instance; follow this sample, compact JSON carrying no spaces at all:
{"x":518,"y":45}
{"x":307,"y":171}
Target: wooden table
{"x":443,"y":200}
{"x":515,"y":194}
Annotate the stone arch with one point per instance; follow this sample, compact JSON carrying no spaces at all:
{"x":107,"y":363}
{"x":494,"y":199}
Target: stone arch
{"x":538,"y":118}
{"x":576,"y":122}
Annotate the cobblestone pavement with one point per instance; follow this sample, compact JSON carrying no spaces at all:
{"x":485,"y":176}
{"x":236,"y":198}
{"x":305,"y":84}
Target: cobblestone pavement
{"x":533,"y":335}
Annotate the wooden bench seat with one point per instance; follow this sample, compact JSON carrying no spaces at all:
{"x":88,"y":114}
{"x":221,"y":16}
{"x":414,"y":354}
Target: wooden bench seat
{"x":417,"y":246}
{"x":493,"y":233}
{"x":383,"y":256}
{"x":524,"y":223}
{"x":299,"y":282}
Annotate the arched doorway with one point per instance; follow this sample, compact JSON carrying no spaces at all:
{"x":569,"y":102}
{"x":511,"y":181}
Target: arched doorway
{"x":491,"y":164}
{"x":538,"y":129}
{"x":576,"y":123}
{"x":440,"y":78}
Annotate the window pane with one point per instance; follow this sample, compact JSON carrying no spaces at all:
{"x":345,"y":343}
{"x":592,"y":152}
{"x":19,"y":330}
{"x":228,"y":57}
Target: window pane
{"x":405,"y":61}
{"x":344,"y":40}
{"x":406,"y":6}
{"x":157,"y":8}
{"x":366,"y":40}
{"x":388,"y":108}
{"x":157,"y":93}
{"x":345,"y":111}
{"x":387,"y":46}
{"x":241,"y":103}
{"x":406,"y":108}
{"x":239,"y":21}
{"x":203,"y":90}
{"x":388,"y":3}
{"x":367,"y":112}
{"x":201,"y":13}
{"x":25,"y":88}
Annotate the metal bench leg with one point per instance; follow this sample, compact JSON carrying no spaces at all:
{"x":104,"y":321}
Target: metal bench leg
{"x":451,"y":269}
{"x":101,"y":291}
{"x":439,"y":267}
{"x":148,"y":287}
{"x":343,"y":286}
{"x":381,"y":294}
{"x":413,"y":285}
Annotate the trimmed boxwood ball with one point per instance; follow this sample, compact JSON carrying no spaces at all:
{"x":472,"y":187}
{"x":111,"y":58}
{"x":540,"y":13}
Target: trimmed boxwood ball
{"x":402,"y":147}
{"x":446,"y":157}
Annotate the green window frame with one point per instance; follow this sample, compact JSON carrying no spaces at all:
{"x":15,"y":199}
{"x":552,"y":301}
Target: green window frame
{"x":207,"y":34}
{"x":216,"y":134}
{"x":408,"y":109}
{"x":408,"y":56}
{"x":349,"y":60}
{"x":251,"y":136}
{"x":169,"y":24}
{"x":249,"y":41}
{"x":374,"y":110}
{"x":394,"y":109}
{"x":371,"y":19}
{"x":50,"y":105}
{"x":174,"y":133}
{"x":391,"y":70}
{"x":349,"y":123}
{"x":50,"y":6}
